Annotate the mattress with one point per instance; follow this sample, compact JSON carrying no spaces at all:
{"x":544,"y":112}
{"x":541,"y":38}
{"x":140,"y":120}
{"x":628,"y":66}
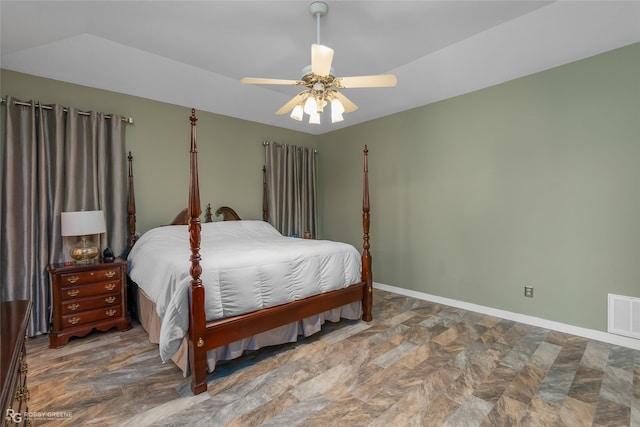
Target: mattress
{"x":246,"y":266}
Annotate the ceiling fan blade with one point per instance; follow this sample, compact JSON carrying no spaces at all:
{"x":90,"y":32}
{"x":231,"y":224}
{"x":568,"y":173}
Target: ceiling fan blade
{"x":259,"y":81}
{"x":293,"y":102}
{"x":383,"y":80}
{"x":346,"y":102}
{"x":321,"y":58}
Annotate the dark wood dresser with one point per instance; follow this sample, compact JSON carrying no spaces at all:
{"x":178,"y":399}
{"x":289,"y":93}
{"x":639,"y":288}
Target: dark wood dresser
{"x":14,"y":318}
{"x":86,"y":297}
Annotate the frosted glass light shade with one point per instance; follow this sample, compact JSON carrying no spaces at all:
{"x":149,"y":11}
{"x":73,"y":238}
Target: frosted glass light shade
{"x":314,"y":118}
{"x":297,"y":113}
{"x":310,"y":106}
{"x":336,"y":111}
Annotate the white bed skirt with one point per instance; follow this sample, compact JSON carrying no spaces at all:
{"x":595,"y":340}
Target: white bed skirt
{"x":151,"y":322}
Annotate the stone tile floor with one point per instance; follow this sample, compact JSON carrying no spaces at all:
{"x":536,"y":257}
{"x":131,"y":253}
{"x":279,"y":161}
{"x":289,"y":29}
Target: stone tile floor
{"x":417,"y":364}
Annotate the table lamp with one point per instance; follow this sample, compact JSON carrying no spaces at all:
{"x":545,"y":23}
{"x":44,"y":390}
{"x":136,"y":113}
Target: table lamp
{"x":83,"y":224}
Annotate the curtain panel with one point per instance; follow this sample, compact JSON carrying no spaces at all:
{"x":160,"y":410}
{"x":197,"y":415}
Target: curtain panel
{"x":55,"y":159}
{"x":292,"y":188}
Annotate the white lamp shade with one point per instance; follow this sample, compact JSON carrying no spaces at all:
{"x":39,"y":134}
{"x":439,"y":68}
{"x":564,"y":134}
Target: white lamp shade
{"x":82,"y":223}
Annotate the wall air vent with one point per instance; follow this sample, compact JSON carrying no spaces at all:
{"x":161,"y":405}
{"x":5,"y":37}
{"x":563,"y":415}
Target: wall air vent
{"x":624,"y":316}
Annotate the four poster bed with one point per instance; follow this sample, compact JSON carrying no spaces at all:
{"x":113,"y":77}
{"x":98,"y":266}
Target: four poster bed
{"x":281,"y":296}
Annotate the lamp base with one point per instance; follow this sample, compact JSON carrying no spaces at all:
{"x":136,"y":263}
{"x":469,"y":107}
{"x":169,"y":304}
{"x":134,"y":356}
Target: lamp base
{"x":85,"y":251}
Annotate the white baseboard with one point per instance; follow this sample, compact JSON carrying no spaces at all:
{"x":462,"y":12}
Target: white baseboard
{"x":517,"y":317}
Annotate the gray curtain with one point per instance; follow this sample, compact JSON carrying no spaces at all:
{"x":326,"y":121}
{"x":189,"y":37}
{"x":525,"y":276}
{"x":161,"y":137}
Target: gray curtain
{"x":291,"y":188}
{"x":55,"y":160}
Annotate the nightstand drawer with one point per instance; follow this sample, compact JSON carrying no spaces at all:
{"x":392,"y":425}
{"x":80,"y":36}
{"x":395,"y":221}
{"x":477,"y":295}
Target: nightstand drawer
{"x":89,"y":276}
{"x":84,"y":304}
{"x":67,"y":293}
{"x":75,"y":319}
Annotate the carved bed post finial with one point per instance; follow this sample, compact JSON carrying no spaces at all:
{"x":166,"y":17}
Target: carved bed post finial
{"x":197,"y":321}
{"x":367,"y":298}
{"x":131,"y":206}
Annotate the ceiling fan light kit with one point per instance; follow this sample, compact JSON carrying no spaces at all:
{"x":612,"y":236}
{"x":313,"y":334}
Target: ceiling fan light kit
{"x":320,"y":82}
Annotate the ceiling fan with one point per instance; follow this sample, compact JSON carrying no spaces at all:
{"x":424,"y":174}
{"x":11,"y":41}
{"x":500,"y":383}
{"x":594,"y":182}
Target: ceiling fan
{"x":320,"y":82}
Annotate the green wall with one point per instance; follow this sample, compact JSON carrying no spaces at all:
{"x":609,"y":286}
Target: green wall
{"x":531,"y":182}
{"x":534,"y":181}
{"x":230,"y":152}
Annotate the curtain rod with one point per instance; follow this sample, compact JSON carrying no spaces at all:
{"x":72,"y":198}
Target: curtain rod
{"x":265,"y":143}
{"x":128,"y":120}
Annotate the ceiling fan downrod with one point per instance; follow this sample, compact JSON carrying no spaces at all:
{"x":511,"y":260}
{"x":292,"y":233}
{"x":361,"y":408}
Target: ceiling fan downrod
{"x":318,"y":9}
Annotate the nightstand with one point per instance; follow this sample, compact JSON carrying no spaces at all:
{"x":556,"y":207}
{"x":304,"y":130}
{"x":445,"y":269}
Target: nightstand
{"x":86,"y":297}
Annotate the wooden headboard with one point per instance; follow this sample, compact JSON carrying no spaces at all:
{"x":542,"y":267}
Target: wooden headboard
{"x":228,"y":214}
{"x":183,"y":217}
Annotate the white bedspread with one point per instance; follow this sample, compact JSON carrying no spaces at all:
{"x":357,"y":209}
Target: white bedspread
{"x":246,"y":266}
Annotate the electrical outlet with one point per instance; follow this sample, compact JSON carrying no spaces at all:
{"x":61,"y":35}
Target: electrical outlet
{"x":528,"y":291}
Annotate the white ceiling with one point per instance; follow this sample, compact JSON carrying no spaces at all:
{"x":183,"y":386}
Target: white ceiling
{"x":193,"y":53}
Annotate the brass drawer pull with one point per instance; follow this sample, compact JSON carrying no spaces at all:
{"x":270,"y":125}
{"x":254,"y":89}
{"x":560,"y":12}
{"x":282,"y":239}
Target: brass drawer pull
{"x":22,"y":394}
{"x":110,"y":286}
{"x":73,"y":307}
{"x":110,"y":274}
{"x":74,"y":320}
{"x":73,"y":292}
{"x":110,"y":313}
{"x":72,"y":279}
{"x":110,"y":300}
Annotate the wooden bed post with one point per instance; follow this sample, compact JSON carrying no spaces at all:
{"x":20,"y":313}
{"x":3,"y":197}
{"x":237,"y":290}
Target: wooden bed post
{"x":131,"y":206}
{"x":367,"y":278}
{"x":197,"y":323}
{"x":265,"y":199}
